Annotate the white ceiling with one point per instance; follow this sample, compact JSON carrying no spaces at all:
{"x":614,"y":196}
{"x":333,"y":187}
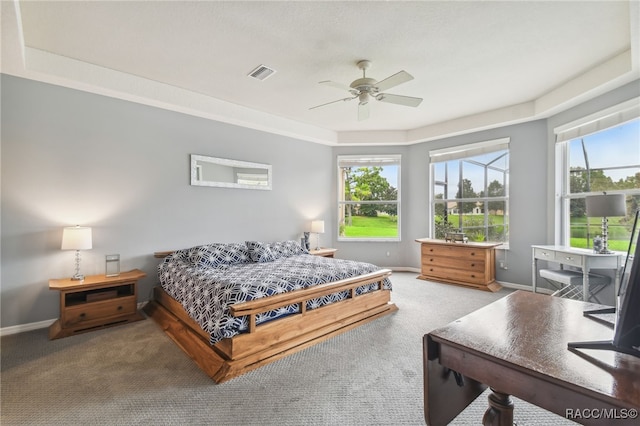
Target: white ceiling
{"x":477,"y":64}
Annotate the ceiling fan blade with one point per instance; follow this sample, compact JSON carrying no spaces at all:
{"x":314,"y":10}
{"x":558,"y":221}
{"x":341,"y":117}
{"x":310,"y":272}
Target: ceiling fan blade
{"x":394,"y":80}
{"x":335,"y":85}
{"x":399,"y":99}
{"x":332,"y":102}
{"x":363,"y":111}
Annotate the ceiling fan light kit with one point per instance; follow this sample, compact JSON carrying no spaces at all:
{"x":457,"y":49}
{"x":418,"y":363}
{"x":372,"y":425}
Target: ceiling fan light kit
{"x":366,"y":88}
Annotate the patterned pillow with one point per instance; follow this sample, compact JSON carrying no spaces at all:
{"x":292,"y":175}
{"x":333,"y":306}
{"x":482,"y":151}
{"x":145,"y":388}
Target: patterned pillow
{"x":218,"y":254}
{"x":260,"y":252}
{"x":286,"y":248}
{"x":268,"y":252}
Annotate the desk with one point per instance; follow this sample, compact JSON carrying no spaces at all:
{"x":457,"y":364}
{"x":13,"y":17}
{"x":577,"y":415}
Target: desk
{"x":518,"y":346}
{"x":581,"y":258}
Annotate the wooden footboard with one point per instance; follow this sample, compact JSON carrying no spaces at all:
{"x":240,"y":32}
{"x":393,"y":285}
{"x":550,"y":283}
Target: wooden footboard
{"x":277,"y":338}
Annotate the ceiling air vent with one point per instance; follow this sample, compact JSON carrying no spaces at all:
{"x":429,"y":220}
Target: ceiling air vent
{"x":262,"y":72}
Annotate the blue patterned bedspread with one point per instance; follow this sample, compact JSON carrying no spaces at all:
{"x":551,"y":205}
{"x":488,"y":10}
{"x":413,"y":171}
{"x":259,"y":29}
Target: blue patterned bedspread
{"x":206,"y":292}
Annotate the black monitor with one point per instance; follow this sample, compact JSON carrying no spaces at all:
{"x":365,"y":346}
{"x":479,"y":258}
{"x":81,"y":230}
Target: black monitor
{"x":626,"y":335}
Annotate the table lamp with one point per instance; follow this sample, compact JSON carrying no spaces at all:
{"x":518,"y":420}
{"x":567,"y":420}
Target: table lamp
{"x":317,"y":226}
{"x":604,"y":206}
{"x":76,"y":238}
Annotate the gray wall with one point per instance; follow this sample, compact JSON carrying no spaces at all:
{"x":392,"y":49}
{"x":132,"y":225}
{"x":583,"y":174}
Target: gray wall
{"x":70,"y":157}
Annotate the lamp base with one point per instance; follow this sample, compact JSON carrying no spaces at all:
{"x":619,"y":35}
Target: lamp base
{"x":605,"y":251}
{"x":77,"y":277}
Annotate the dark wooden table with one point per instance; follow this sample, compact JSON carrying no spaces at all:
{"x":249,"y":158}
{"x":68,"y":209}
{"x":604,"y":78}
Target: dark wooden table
{"x":518,"y":346}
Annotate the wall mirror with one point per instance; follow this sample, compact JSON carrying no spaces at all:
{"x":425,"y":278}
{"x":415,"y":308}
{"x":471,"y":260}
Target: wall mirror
{"x":221,"y":172}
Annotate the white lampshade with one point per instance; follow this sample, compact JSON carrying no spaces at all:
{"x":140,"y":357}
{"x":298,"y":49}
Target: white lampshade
{"x":317,"y":226}
{"x":606,"y":205}
{"x":76,"y":238}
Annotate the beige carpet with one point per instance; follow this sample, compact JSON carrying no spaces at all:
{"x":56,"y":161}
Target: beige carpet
{"x":134,"y":375}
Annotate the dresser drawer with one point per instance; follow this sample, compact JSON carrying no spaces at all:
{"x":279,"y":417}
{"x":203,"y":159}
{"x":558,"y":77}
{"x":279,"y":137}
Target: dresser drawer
{"x":457,"y":275}
{"x":456,"y":251}
{"x":99,"y":311}
{"x":454,"y":263}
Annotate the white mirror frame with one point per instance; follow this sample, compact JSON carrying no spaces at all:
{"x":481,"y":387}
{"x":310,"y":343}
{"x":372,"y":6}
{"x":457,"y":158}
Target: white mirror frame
{"x":196,"y":172}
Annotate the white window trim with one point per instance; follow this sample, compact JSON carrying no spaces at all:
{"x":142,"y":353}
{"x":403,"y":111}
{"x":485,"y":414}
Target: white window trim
{"x":602,"y":120}
{"x":368,"y":161}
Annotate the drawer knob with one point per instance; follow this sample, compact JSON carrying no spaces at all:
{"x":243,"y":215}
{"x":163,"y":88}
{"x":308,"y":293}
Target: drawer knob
{"x":473,"y":276}
{"x":119,"y":308}
{"x":473,"y":264}
{"x":473,"y":253}
{"x":430,"y":269}
{"x":431,"y":260}
{"x":82,"y":315}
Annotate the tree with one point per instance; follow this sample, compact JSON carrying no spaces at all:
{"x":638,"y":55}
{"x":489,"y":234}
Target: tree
{"x":366,"y":184}
{"x":465,"y":190}
{"x":495,"y":189}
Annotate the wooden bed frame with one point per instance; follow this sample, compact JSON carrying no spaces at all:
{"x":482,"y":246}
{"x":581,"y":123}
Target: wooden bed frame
{"x":277,"y":338}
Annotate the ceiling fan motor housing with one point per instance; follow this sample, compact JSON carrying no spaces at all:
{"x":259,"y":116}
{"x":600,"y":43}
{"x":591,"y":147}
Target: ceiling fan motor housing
{"x":363,"y":83}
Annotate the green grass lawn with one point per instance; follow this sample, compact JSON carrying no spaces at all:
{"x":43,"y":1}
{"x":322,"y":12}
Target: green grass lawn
{"x":615,"y":245}
{"x":371,"y":227}
{"x":619,"y":233}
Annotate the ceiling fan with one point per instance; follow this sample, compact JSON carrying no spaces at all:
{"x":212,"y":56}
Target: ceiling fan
{"x":366,"y":88}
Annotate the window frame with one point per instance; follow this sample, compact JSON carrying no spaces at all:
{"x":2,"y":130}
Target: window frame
{"x":370,"y":160}
{"x":598,"y":122}
{"x":467,"y":152}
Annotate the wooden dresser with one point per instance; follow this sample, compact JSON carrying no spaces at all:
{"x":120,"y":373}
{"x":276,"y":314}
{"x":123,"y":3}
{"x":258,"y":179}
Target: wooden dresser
{"x":467,"y":264}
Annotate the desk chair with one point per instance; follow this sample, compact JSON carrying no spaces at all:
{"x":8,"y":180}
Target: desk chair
{"x":568,"y":283}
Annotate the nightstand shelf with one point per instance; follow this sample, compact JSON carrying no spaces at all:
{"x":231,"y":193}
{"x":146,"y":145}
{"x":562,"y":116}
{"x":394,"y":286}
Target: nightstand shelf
{"x":96,"y":302}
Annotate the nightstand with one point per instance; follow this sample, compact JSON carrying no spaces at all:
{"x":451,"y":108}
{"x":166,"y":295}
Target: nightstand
{"x":324,"y":252}
{"x":96,"y":302}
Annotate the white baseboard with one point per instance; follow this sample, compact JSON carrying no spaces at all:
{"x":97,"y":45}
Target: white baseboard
{"x":15,"y":329}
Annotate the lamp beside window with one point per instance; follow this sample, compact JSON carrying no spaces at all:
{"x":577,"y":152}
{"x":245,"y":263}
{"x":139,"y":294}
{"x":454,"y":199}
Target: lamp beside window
{"x":317,"y":227}
{"x":76,"y":238}
{"x":604,"y":206}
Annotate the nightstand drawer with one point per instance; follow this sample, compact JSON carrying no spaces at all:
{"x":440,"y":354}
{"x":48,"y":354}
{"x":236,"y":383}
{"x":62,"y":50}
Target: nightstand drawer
{"x":99,"y":311}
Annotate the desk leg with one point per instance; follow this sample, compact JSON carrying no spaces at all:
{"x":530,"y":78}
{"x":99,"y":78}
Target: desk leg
{"x":500,"y":411}
{"x":534,"y":276}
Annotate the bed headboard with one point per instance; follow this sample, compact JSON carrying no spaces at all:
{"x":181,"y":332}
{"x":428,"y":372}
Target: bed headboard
{"x":162,"y":254}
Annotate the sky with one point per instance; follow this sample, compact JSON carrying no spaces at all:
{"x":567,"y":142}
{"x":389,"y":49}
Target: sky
{"x":600,"y":153}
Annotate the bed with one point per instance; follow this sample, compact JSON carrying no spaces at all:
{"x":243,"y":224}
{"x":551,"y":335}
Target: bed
{"x":233,"y":307}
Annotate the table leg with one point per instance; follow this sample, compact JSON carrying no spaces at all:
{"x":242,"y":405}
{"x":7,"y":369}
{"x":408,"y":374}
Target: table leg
{"x":500,"y":411}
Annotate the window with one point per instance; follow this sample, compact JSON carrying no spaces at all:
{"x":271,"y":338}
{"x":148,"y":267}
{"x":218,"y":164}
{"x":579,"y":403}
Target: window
{"x":470,"y":191}
{"x":369,"y":198}
{"x":599,"y":153}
